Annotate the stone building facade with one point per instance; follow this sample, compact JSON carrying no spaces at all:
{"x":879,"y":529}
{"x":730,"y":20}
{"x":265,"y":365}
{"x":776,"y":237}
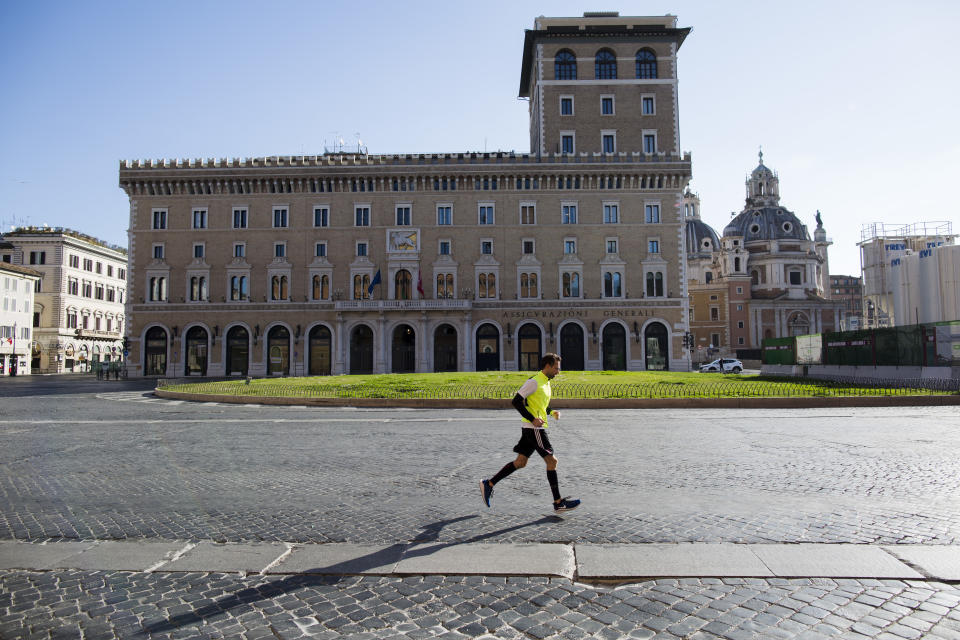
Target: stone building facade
{"x":763,"y":278}
{"x":17,"y":287}
{"x":356,"y":263}
{"x":78,"y":310}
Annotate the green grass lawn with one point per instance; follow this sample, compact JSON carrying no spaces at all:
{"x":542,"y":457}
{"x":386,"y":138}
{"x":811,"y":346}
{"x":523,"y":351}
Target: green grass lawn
{"x":569,"y":384}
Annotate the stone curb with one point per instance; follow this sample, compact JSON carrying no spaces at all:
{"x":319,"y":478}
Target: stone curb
{"x":596,"y":562}
{"x":592,"y":403}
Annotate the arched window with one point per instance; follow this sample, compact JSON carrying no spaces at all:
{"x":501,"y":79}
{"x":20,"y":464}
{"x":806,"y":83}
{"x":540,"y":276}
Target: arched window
{"x":487,"y":285}
{"x":316,"y":288}
{"x":528,"y":285}
{"x":754,"y":277}
{"x":275,"y":288}
{"x":605,"y":66}
{"x":402,"y":285}
{"x":571,"y":285}
{"x":360,"y":286}
{"x":612,"y":287}
{"x":194,"y":288}
{"x":646,"y":64}
{"x":654,"y":284}
{"x":565,"y":66}
{"x":449,"y":292}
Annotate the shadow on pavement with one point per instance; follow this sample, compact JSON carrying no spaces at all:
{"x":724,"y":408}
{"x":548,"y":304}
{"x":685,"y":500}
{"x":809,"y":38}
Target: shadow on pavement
{"x":328,"y":575}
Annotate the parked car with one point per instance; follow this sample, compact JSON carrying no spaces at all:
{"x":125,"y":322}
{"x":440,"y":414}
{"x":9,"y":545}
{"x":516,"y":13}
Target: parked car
{"x":724,"y":365}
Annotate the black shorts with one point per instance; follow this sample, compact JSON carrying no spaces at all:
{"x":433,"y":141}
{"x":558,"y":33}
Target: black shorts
{"x":534,"y":440}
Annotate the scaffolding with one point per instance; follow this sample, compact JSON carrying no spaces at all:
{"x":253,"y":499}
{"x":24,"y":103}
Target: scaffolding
{"x":880,"y":244}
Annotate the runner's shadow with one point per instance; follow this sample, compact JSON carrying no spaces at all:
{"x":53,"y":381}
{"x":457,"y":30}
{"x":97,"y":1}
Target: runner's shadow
{"x":335,"y":573}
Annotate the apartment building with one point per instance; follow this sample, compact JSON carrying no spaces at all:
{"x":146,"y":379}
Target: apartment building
{"x":78,"y":309}
{"x":17,"y":284}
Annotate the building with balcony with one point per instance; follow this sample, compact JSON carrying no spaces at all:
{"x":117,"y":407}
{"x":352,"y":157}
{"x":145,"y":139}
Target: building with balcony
{"x":78,"y":309}
{"x":359,"y":263}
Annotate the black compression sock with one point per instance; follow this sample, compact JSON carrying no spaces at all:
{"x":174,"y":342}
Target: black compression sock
{"x":503,"y":473}
{"x":554,"y":483}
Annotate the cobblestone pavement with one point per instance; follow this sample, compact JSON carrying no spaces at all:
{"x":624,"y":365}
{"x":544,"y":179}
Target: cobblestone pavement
{"x":119,"y":465}
{"x":75,"y":604}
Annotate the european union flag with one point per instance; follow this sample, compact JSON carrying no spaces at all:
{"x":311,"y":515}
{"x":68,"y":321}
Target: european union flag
{"x":373,"y":283}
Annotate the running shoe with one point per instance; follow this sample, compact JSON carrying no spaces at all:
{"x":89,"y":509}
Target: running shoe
{"x":566,"y":504}
{"x":486,"y":491}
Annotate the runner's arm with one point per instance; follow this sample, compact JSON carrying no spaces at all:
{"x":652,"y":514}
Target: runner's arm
{"x":520,"y":404}
{"x":520,"y":399}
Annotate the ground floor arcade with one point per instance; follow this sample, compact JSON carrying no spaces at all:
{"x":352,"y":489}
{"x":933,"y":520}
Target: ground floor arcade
{"x":364,"y":341}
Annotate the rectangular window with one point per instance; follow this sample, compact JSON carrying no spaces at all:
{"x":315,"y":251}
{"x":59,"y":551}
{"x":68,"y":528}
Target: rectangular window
{"x":444,"y":247}
{"x":75,"y":262}
{"x":651,"y":213}
{"x":280,"y":250}
{"x":715,"y":339}
{"x":159,"y":218}
{"x":739,"y":307}
{"x":198,"y":251}
{"x":528,"y":214}
{"x":795,"y":277}
{"x":566,"y":143}
{"x":609,"y":143}
{"x":647,"y":106}
{"x":611,"y":214}
{"x":740,"y":324}
{"x":569,"y":214}
{"x":73,"y":287}
{"x":527,"y":246}
{"x":486,"y":247}
{"x":444,"y":215}
{"x":320,"y":250}
{"x":239,"y":250}
{"x":158,"y":252}
{"x":606,"y":105}
{"x":566,"y":106}
{"x":99,"y":267}
{"x":239,"y":218}
{"x":321,"y":216}
{"x":122,"y":274}
{"x":361,"y":216}
{"x":569,"y":246}
{"x":714,"y":313}
{"x":653,"y":246}
{"x":87,"y":265}
{"x":611,"y":246}
{"x":739,"y":340}
{"x":486,"y":214}
{"x":739,"y":289}
{"x":361,"y":249}
{"x":109,"y":270}
{"x":199,"y":218}
{"x":38,"y":257}
{"x":98,"y":292}
{"x":279,"y":217}
{"x":403,"y":216}
{"x":649,"y":143}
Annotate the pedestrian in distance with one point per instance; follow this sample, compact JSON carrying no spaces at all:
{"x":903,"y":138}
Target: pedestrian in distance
{"x":532,"y":401}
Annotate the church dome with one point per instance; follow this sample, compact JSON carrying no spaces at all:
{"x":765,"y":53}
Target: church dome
{"x":702,"y":240}
{"x":766,"y":223}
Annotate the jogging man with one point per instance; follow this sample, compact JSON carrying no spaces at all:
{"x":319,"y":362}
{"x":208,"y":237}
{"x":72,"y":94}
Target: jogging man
{"x":533,"y":403}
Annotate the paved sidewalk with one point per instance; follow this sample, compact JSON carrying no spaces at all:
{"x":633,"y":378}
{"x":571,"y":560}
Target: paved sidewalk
{"x":591,"y":562}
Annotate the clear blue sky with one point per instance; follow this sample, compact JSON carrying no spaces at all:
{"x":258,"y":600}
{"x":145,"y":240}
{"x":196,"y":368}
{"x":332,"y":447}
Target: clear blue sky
{"x":854,"y":103}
